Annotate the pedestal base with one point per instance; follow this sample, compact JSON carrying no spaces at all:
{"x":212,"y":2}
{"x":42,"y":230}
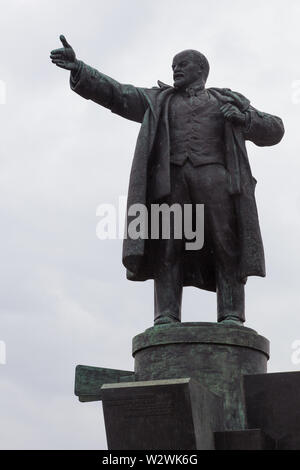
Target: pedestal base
{"x":272,"y":403}
{"x":196,"y":386}
{"x":161,"y":415}
{"x":217,"y":356}
{"x":250,"y":439}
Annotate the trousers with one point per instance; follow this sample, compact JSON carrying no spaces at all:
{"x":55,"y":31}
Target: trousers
{"x":208,"y":185}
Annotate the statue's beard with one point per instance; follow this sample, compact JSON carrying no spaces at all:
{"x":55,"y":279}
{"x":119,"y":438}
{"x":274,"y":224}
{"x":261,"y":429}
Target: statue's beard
{"x":180,"y":82}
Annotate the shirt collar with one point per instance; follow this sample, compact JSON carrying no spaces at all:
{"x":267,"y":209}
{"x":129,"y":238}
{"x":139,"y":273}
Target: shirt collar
{"x":195,"y":90}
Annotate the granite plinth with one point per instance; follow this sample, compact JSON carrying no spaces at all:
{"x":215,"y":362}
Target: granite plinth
{"x":249,"y":439}
{"x":161,"y":415}
{"x":272,"y":404}
{"x":217,"y":356}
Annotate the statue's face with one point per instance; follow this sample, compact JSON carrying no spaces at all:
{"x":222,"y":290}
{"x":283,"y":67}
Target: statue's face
{"x":186,"y":70}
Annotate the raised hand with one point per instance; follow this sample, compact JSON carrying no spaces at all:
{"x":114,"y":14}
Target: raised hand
{"x":64,"y":57}
{"x":233,"y":114}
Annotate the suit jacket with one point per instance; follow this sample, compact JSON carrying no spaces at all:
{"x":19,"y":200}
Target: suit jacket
{"x":150,"y":173}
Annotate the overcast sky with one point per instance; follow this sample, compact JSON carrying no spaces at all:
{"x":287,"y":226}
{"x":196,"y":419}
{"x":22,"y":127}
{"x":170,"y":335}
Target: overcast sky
{"x":64,"y":297}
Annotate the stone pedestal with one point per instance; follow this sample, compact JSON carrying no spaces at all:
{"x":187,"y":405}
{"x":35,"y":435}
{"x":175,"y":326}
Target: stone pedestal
{"x":248,"y":439}
{"x":217,"y":356}
{"x":195,"y":386}
{"x":161,"y":415}
{"x":272,"y":404}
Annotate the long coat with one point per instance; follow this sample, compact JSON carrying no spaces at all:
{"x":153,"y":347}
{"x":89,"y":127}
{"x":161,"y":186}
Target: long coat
{"x":150,"y":173}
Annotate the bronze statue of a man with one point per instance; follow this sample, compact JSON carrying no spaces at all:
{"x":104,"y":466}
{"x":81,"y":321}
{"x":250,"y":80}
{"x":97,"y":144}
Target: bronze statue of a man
{"x":190,"y":150}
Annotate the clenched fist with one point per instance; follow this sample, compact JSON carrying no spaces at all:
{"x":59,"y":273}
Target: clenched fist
{"x":233,"y":114}
{"x":65,"y":57}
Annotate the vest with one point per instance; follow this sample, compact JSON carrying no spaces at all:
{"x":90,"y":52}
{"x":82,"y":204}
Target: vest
{"x":196,"y":129}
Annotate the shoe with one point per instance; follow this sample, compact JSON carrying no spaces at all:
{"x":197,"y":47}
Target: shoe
{"x":231,"y":320}
{"x":165,"y":320}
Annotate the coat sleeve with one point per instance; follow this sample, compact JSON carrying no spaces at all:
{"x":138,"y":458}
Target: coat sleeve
{"x":263,"y":129}
{"x":128,"y":101}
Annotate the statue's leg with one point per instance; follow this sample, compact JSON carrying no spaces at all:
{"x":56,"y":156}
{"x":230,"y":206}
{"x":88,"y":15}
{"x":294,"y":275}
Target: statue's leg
{"x":230,"y":291}
{"x":210,"y":186}
{"x":168,"y":282}
{"x":230,"y":296}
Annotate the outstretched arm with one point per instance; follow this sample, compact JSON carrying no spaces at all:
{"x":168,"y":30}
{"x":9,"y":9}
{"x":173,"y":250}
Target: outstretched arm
{"x":126,"y":100}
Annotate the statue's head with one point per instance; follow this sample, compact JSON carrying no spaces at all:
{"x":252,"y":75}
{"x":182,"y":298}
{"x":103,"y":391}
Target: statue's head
{"x":188,"y":67}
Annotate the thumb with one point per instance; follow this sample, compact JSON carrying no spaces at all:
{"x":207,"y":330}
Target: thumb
{"x":64,"y":41}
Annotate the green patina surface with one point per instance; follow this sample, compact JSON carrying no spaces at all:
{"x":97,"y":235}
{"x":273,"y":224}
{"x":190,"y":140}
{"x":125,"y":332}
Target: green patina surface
{"x":216,"y":356}
{"x":89,"y":380}
{"x":205,"y":333}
